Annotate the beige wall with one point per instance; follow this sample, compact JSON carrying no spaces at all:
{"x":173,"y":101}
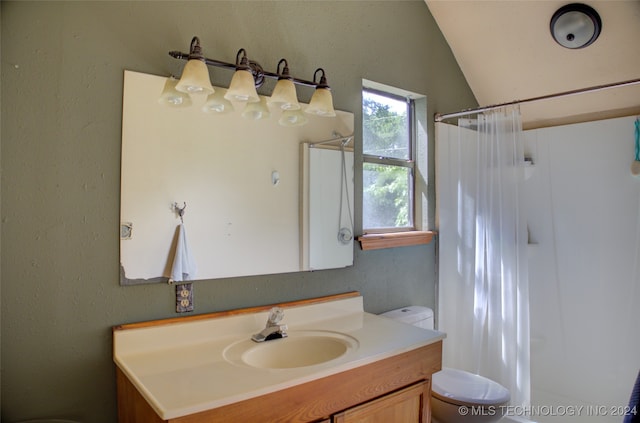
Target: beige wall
{"x":62,"y":71}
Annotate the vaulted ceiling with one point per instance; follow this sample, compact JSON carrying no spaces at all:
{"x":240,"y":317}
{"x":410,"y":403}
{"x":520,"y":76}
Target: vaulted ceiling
{"x":506,"y":52}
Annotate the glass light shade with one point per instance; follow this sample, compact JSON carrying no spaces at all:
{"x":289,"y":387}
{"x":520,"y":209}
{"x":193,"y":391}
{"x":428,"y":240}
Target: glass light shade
{"x":216,"y":103}
{"x":573,"y":30}
{"x":256,"y":110}
{"x":242,"y":87}
{"x":321,"y":103}
{"x":172,"y":97}
{"x":284,"y":95}
{"x":292,"y":118}
{"x":575,"y":25}
{"x":195,"y":78}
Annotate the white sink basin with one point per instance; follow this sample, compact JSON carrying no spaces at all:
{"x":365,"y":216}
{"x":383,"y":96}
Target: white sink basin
{"x":299,"y":349}
{"x":200,"y":363}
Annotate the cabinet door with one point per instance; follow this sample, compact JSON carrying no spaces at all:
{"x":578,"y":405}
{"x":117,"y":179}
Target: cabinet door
{"x":409,"y":405}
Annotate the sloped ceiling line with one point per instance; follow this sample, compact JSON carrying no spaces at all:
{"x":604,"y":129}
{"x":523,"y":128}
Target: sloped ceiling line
{"x":506,"y":51}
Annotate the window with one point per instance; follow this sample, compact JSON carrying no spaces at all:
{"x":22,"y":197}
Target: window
{"x":388,"y":161}
{"x":395,"y":181}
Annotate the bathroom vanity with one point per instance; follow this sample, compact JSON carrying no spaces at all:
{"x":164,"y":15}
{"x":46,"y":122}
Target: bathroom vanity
{"x":338,"y":364}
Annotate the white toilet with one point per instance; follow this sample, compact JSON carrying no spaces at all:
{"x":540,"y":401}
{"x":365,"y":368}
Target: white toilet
{"x":457,"y":396}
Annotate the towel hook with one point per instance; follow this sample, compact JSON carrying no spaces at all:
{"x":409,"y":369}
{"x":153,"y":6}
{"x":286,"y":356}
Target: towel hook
{"x":180,"y":211}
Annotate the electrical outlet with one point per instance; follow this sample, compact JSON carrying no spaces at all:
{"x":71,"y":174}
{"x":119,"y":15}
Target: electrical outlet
{"x":184,"y":297}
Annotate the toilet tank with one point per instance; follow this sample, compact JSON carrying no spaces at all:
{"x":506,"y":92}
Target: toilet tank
{"x":414,"y":315}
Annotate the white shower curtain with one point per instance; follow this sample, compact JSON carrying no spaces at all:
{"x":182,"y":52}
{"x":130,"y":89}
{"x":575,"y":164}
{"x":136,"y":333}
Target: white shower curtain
{"x":483,"y":282}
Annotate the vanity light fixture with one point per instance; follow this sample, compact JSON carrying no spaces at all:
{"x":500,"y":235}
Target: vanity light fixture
{"x":216,"y":103}
{"x":321,"y":103}
{"x":243,"y":85}
{"x":195,"y":75}
{"x":173,"y":97}
{"x":575,"y":25}
{"x":248,"y":76}
{"x":284,"y":94}
{"x":292,"y":118}
{"x":256,"y":110}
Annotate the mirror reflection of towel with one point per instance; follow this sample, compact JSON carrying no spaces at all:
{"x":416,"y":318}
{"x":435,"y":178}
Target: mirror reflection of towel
{"x":184,"y":266}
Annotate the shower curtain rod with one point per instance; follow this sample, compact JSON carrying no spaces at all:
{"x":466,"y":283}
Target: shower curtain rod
{"x":439,"y":117}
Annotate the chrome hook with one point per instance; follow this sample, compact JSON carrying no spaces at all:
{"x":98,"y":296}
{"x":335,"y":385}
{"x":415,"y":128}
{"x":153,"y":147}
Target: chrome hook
{"x":179,"y":210}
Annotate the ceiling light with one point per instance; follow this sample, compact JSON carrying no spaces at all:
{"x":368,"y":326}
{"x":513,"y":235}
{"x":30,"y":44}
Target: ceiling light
{"x":575,"y":25}
{"x":195,"y":75}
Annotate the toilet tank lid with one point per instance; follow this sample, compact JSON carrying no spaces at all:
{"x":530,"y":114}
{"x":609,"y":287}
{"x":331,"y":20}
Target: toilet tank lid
{"x":458,"y":386}
{"x":410,"y":314}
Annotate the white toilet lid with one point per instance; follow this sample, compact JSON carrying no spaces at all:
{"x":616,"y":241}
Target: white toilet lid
{"x":455,"y":385}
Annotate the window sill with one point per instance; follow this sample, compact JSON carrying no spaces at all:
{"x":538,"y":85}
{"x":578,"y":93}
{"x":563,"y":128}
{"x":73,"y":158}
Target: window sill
{"x":395,"y":239}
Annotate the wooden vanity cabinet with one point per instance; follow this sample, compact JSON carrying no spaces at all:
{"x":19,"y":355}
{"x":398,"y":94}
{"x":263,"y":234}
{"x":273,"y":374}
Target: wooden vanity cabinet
{"x":409,"y":405}
{"x":395,"y":389}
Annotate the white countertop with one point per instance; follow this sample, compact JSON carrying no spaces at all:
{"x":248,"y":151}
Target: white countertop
{"x":180,"y":368}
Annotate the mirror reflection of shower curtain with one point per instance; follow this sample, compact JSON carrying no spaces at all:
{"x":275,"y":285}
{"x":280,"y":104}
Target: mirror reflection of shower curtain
{"x":483,"y":281}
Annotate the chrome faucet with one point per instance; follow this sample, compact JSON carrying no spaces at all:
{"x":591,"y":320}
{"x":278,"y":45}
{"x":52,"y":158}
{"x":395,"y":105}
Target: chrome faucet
{"x":273,"y":330}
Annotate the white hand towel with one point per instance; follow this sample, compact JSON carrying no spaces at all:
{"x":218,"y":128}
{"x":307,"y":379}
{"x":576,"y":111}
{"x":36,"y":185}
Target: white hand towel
{"x":184,"y":266}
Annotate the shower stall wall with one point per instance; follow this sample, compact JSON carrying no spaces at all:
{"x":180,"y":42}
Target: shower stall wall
{"x":584,"y":233}
{"x":583,"y":222}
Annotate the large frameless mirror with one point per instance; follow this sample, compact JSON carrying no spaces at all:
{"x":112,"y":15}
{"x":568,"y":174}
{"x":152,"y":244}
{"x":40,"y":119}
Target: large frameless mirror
{"x":251,"y":196}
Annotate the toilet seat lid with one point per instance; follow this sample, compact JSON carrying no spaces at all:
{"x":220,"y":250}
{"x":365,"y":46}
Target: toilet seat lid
{"x":455,"y":385}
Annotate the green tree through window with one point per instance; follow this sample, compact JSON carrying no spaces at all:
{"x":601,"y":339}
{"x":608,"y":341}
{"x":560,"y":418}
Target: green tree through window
{"x":388,"y":164}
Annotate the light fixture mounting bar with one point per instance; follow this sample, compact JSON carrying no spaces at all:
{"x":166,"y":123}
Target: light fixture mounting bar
{"x":232,"y":66}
